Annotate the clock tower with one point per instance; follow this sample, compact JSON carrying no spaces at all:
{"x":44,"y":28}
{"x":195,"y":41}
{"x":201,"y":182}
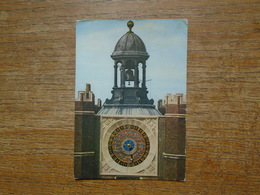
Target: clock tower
{"x":129,"y":120}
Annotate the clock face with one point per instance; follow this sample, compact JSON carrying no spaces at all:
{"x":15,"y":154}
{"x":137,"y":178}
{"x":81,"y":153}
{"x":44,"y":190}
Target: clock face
{"x":128,"y":145}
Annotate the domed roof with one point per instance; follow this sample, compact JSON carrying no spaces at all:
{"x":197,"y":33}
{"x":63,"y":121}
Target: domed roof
{"x":130,"y":44}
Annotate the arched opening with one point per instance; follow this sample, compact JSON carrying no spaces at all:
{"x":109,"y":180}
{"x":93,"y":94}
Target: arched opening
{"x":130,"y":74}
{"x":130,"y":77}
{"x":117,"y":64}
{"x":142,"y":66}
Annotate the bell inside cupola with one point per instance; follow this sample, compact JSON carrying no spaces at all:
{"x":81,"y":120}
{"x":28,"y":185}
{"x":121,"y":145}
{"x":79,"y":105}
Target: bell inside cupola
{"x":129,"y":75}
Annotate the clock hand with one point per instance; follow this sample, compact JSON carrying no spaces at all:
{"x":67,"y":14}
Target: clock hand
{"x":132,"y":158}
{"x":130,"y":147}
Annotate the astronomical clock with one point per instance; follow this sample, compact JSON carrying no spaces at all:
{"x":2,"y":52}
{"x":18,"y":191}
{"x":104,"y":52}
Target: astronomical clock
{"x":129,"y":147}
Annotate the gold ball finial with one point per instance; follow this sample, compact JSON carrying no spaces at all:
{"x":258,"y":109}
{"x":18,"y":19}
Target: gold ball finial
{"x":130,"y":25}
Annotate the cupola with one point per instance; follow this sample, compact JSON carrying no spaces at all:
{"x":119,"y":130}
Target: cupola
{"x":129,"y":97}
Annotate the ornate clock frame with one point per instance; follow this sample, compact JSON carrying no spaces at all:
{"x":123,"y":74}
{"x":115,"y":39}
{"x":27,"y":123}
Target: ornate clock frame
{"x":140,"y":131}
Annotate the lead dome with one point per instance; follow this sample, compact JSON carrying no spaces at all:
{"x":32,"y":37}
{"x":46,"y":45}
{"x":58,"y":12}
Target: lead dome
{"x":130,"y":45}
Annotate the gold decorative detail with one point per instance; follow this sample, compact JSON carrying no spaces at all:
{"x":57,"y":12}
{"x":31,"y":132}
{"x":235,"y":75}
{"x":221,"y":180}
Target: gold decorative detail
{"x":130,"y":25}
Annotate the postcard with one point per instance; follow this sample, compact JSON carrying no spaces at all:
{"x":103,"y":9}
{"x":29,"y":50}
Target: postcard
{"x":130,"y":99}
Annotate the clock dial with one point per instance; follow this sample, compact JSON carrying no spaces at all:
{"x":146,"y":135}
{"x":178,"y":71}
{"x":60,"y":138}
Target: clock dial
{"x":128,"y":145}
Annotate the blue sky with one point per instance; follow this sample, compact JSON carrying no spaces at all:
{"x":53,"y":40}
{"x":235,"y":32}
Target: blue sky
{"x":165,"y":41}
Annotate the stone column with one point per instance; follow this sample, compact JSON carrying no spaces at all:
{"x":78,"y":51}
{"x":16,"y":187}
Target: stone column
{"x":144,"y":75}
{"x":122,"y":76}
{"x":115,"y":74}
{"x":136,"y":75}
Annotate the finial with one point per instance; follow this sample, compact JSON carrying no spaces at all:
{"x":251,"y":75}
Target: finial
{"x":130,"y":25}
